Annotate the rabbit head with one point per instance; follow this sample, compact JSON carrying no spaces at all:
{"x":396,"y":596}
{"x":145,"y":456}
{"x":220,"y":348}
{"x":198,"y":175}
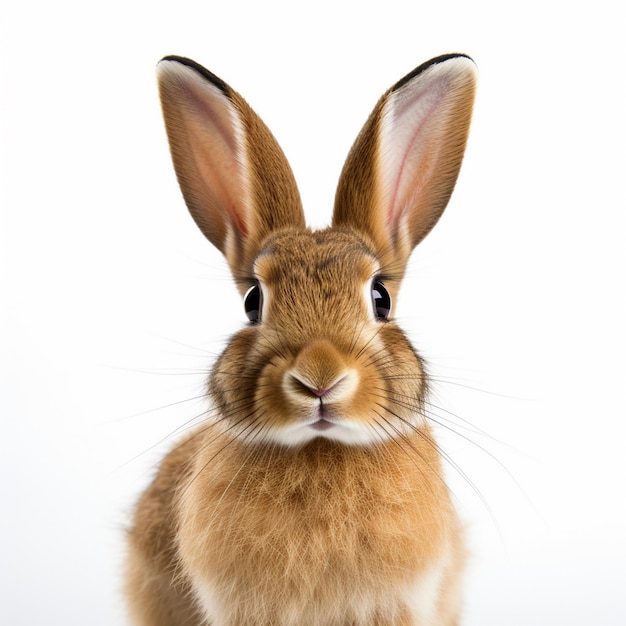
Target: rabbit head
{"x":322,"y":355}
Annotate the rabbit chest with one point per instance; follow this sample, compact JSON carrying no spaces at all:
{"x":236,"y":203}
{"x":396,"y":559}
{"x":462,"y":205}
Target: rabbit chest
{"x":281,"y":536}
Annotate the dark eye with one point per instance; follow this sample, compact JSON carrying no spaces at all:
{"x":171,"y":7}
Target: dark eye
{"x":252,"y":303}
{"x":381,"y":300}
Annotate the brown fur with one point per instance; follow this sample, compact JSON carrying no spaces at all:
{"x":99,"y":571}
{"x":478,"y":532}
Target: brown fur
{"x":321,"y":533}
{"x":271,"y":190}
{"x":268,"y":514}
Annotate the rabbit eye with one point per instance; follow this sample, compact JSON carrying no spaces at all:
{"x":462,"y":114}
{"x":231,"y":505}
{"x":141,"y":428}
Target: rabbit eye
{"x":381,"y":301}
{"x":252,"y":303}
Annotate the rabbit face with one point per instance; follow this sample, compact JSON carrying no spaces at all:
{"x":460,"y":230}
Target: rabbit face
{"x":320,"y":359}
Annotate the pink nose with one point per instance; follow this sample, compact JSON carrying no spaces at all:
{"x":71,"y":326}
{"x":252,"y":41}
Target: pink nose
{"x":318,"y":393}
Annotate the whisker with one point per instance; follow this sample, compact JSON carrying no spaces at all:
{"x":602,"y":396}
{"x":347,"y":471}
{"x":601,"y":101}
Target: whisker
{"x":231,"y":481}
{"x":418,"y":405}
{"x":450,"y":381}
{"x":355,"y":337}
{"x":237,"y":373}
{"x":369,"y":341}
{"x":161,"y":442}
{"x":235,"y":408}
{"x":280,"y":351}
{"x":398,"y":434}
{"x":229,"y":442}
{"x":484,"y":450}
{"x":415,"y":405}
{"x":441,"y":421}
{"x":378,"y":359}
{"x":161,"y":408}
{"x":448,"y":459}
{"x":466,"y":424}
{"x":397,"y":437}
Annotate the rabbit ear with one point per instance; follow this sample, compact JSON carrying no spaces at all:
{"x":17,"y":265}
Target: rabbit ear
{"x":402,"y":169}
{"x":234,"y":177}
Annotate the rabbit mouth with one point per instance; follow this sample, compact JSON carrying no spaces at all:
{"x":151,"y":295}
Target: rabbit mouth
{"x":322,"y":424}
{"x":325,"y":425}
{"x":323,"y":419}
{"x":320,"y":419}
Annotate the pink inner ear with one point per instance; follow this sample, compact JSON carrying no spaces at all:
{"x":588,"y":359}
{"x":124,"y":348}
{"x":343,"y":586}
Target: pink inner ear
{"x":219,"y":148}
{"x":211,"y":166}
{"x":408,"y":148}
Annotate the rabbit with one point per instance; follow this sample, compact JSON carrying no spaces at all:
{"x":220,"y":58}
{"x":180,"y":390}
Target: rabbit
{"x":312,"y":494}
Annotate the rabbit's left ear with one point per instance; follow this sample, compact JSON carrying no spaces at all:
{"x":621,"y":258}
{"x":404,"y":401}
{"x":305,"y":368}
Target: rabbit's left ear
{"x":234,"y":177}
{"x":402,"y":169}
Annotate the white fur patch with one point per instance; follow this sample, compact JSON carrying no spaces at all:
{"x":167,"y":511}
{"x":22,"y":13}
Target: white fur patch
{"x":344,"y":431}
{"x":422,"y":598}
{"x":207,"y":603}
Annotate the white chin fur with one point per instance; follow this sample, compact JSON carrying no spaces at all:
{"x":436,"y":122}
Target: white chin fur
{"x":349,"y":433}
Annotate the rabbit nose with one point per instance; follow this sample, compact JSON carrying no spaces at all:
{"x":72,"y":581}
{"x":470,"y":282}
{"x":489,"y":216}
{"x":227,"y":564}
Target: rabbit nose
{"x":311,"y":388}
{"x":320,"y":371}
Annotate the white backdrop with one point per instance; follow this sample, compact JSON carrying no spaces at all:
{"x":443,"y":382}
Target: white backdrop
{"x":113,"y":305}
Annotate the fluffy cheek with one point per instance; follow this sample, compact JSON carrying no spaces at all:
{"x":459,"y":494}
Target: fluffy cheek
{"x":276,"y":406}
{"x":404,"y":378}
{"x":370,"y":391}
{"x":233,"y":381}
{"x":391,"y":387}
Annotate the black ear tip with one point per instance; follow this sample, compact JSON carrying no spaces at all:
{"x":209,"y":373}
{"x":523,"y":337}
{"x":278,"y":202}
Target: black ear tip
{"x":206,"y":74}
{"x":424,"y":66}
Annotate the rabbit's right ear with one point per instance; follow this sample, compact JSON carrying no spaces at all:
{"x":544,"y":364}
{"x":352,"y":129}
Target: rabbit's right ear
{"x":402,"y":168}
{"x":234,"y":177}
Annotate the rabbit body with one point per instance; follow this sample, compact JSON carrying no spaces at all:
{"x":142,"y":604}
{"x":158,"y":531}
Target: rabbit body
{"x":320,"y":536}
{"x":313,"y":493}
